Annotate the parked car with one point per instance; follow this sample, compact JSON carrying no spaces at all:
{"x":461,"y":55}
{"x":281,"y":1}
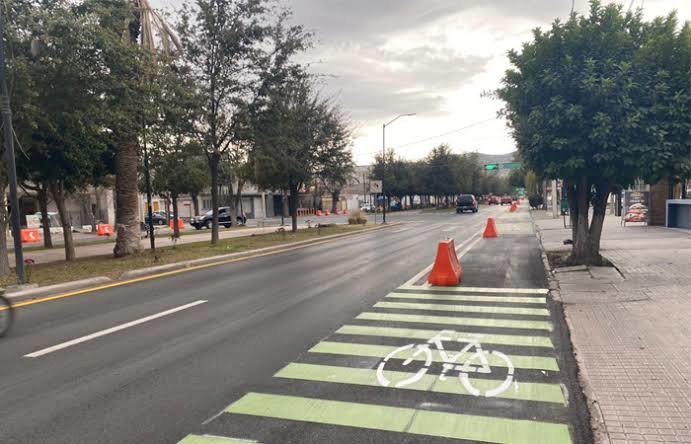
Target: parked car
{"x":367,"y":208}
{"x":466,"y":202}
{"x":493,"y":200}
{"x":395,"y":206}
{"x":204,"y":221}
{"x":506,"y":200}
{"x":158,"y":218}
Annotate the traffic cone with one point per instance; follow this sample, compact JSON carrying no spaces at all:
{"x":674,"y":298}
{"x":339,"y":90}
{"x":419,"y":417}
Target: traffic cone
{"x":513,"y":207}
{"x":490,"y":229}
{"x":447,"y":270}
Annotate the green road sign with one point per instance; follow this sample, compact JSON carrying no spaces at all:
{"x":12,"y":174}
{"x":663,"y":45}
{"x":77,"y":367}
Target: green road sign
{"x":511,"y":165}
{"x":491,"y":166}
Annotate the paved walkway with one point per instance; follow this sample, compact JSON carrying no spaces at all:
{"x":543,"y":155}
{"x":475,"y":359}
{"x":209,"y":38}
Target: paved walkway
{"x":631,"y":330}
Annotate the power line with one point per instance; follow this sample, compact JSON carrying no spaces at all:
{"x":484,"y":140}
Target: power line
{"x":457,"y":130}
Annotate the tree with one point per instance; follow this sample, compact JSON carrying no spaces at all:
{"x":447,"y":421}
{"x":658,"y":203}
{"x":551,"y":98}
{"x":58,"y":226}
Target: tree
{"x":223,"y":40}
{"x":134,"y":33}
{"x":65,"y":146}
{"x":600,"y":101}
{"x":299,"y":136}
{"x":442,"y":177}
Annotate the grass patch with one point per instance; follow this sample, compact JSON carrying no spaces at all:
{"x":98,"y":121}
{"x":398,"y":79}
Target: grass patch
{"x":57,"y":272}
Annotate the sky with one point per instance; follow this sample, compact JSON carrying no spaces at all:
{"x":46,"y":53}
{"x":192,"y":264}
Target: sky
{"x":434,"y":58}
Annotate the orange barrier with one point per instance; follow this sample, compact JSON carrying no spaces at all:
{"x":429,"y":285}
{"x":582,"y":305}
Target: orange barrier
{"x":447,"y":270}
{"x":104,"y":229}
{"x":30,"y":235}
{"x":490,"y":229}
{"x":181,"y":224}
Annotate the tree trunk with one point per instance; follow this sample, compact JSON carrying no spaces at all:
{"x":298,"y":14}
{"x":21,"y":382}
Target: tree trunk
{"x":42,"y":195}
{"x":285,"y":208}
{"x":599,"y":212}
{"x":58,"y":193}
{"x":176,"y":217}
{"x":294,"y":206}
{"x":5,"y":269}
{"x":127,"y":241}
{"x":214,"y":159}
{"x":581,"y":242}
{"x":235,"y":203}
{"x":195,"y":203}
{"x":572,"y":198}
{"x":335,"y":196}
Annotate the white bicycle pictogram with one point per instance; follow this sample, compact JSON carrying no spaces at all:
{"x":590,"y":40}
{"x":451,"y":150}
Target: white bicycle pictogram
{"x":476,"y":362}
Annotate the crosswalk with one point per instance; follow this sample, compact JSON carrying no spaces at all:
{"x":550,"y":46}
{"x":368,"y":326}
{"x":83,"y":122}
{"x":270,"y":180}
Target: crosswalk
{"x":421,"y":365}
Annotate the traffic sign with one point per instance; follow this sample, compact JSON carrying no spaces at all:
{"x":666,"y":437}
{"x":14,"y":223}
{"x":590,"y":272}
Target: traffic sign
{"x":376,"y":186}
{"x":491,"y":166}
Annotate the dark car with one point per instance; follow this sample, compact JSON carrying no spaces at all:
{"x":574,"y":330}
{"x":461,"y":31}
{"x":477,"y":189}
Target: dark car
{"x":158,"y":218}
{"x":466,"y":202}
{"x":204,"y":221}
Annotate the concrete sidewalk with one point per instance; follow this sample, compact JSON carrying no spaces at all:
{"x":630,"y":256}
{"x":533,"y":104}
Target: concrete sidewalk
{"x":631,"y":330}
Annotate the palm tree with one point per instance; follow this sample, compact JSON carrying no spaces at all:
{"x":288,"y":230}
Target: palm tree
{"x":148,"y":29}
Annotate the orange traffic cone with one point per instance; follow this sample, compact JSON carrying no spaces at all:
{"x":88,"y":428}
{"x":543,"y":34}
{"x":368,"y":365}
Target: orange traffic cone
{"x":513,"y":207}
{"x":490,"y":229}
{"x":446,"y":271}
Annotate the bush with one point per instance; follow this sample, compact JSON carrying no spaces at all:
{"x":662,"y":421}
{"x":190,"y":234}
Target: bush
{"x":356,"y":218}
{"x":535,"y":201}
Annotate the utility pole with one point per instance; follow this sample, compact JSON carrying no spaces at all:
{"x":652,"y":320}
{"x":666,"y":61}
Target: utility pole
{"x":383,"y":158}
{"x":9,"y":158}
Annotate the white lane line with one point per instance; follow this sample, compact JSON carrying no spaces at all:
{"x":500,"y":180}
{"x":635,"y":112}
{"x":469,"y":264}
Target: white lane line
{"x":400,"y":230}
{"x":108,"y":331}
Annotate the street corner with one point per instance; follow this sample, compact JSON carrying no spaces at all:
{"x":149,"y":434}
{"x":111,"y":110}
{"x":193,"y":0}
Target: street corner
{"x":423,"y":364}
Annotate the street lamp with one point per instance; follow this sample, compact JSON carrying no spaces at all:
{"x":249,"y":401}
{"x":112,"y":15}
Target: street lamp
{"x":383,"y":159}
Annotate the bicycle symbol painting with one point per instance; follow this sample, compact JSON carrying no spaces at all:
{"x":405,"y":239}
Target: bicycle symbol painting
{"x":471,"y":359}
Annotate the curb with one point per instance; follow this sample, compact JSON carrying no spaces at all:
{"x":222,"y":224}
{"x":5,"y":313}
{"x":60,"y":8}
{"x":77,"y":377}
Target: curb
{"x":32,"y":293}
{"x":38,"y":292}
{"x":597,"y":422}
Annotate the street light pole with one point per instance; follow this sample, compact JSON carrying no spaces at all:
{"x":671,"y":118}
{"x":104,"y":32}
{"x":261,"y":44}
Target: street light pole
{"x":383,"y":158}
{"x":9,"y":157}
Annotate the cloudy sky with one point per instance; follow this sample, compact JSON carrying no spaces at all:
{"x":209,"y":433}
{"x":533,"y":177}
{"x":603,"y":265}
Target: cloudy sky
{"x":435,"y":58}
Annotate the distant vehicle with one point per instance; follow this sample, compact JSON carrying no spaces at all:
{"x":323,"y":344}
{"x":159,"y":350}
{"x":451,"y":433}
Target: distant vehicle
{"x":506,"y":200}
{"x":53,"y":219}
{"x":493,"y":200}
{"x":158,"y":218}
{"x":367,"y":208}
{"x":466,"y":202}
{"x":204,"y":221}
{"x":395,"y":206}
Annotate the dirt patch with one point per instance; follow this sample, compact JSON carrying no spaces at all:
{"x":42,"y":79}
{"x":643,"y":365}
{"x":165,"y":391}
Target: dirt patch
{"x":560,"y":259}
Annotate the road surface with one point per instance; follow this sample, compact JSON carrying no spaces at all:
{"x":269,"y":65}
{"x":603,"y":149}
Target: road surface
{"x":198,"y":353}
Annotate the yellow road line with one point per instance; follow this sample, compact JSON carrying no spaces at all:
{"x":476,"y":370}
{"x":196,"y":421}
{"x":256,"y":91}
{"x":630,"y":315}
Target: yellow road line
{"x":182,"y":270}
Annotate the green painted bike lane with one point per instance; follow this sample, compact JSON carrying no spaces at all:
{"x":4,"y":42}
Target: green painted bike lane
{"x":361,"y":383}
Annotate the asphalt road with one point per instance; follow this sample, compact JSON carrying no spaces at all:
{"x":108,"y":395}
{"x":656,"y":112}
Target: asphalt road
{"x":182,"y":348}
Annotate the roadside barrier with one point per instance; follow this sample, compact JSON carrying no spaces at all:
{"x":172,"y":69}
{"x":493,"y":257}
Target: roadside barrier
{"x":181,"y":224}
{"x":513,"y":208}
{"x":30,"y":235}
{"x":447,"y":270}
{"x":104,"y":229}
{"x":490,"y":228}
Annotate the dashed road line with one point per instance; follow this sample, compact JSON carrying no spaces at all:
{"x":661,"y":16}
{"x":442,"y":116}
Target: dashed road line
{"x":212,"y":439}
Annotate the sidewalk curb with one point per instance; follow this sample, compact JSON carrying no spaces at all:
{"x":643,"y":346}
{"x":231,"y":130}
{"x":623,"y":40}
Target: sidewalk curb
{"x":597,"y":422}
{"x":32,"y":293}
{"x":35,"y":293}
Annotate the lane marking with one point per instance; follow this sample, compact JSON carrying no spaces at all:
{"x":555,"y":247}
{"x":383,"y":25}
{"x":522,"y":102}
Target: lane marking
{"x":469,"y":298}
{"x":382,"y":351}
{"x":463,"y":308}
{"x":449,"y":320}
{"x":111,"y":330}
{"x":477,"y":289}
{"x":197,"y":267}
{"x":527,"y":391}
{"x":404,"y":420}
{"x":401,"y":230}
{"x":213,"y":439}
{"x":410,"y":333}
